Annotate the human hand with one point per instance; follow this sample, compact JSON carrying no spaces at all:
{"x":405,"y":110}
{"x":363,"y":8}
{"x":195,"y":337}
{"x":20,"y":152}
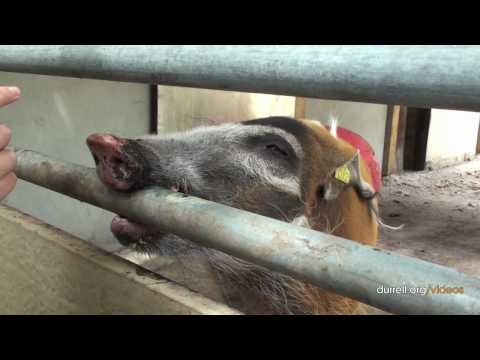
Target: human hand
{"x":7,"y":156}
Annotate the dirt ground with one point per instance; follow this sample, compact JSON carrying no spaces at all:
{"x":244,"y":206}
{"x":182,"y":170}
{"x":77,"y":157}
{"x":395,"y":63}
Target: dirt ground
{"x":440,"y":210}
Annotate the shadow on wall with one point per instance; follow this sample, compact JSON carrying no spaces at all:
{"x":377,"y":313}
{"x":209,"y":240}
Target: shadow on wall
{"x":181,"y":108}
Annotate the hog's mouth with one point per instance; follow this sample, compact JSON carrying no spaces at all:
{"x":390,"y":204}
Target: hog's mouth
{"x":115,"y":171}
{"x":134,"y":235}
{"x":137,"y":236}
{"x":121,"y":167}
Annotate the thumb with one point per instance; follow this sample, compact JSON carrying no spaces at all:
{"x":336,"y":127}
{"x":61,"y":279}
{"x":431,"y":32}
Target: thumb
{"x":8,"y":94}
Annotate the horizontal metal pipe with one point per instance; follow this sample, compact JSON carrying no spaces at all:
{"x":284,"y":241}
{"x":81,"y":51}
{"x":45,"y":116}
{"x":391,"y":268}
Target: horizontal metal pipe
{"x":333,"y":263}
{"x":419,"y":76}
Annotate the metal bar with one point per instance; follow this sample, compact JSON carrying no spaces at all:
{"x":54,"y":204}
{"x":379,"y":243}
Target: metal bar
{"x":333,"y":263}
{"x":419,"y":76}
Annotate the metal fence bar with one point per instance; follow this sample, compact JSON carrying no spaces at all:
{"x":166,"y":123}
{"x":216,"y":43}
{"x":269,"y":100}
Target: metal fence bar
{"x":333,"y":263}
{"x":419,"y":76}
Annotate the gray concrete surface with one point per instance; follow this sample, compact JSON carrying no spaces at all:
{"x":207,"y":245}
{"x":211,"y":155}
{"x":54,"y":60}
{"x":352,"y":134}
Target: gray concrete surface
{"x":54,"y":116}
{"x":47,"y":271}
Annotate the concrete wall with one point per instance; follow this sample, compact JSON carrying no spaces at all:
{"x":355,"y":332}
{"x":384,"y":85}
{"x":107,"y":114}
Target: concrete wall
{"x":368,"y":120}
{"x":54,"y":116}
{"x":181,"y":108}
{"x":45,"y":271}
{"x":452,"y":136}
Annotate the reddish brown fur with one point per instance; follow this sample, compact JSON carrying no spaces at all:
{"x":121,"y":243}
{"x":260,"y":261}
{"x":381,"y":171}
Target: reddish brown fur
{"x":348,"y":216}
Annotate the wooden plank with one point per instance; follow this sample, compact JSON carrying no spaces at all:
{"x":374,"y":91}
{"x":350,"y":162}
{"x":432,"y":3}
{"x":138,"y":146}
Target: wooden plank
{"x":390,"y":146}
{"x":44,"y":270}
{"x":401,"y":139}
{"x":300,"y":107}
{"x":478,"y":140}
{"x":394,"y":139}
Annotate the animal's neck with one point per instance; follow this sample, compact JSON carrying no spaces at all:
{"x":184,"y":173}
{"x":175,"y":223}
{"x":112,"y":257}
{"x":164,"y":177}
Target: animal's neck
{"x":256,"y":290}
{"x":348,"y":217}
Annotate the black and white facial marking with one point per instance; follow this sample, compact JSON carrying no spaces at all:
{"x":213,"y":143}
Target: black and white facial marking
{"x":211,"y":161}
{"x":254,"y":165}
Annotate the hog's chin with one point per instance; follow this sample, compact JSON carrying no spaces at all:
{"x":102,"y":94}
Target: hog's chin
{"x":135,"y":236}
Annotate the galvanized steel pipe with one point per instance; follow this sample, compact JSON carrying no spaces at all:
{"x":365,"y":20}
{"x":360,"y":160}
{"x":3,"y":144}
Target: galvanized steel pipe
{"x":333,"y":263}
{"x":419,"y":76}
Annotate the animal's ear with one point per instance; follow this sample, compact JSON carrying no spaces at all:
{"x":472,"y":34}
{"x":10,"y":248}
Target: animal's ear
{"x":347,"y":174}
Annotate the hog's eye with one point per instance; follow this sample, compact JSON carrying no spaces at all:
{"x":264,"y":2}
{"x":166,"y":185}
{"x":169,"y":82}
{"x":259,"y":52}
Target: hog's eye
{"x":274,"y":148}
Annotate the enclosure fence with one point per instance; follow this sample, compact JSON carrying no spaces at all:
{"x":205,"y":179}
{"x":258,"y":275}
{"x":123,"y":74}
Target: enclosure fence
{"x":421,"y":76}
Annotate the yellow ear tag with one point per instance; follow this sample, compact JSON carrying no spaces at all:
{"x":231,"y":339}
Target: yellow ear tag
{"x":343,"y":174}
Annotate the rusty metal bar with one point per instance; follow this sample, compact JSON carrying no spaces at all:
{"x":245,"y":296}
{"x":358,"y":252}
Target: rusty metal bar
{"x":419,"y":75}
{"x":360,"y":272}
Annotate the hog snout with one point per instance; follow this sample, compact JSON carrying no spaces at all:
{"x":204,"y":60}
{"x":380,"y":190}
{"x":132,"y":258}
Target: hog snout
{"x":115,"y":167}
